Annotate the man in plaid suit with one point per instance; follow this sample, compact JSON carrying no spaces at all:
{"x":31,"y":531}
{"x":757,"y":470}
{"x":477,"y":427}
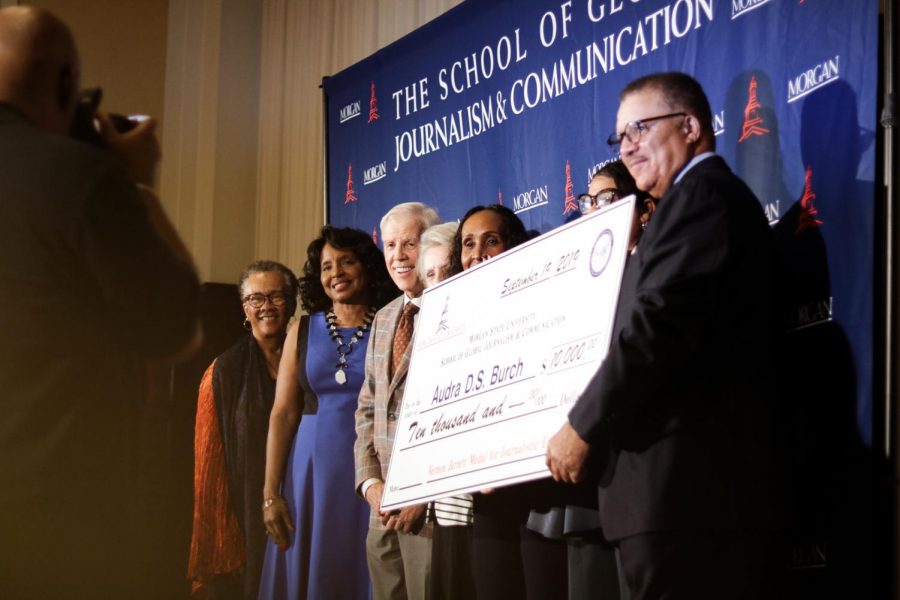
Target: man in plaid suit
{"x":398,"y":545}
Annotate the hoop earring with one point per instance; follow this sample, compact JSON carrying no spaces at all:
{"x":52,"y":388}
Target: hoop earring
{"x":247,"y":324}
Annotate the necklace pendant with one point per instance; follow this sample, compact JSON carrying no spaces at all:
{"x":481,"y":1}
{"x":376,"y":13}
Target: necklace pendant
{"x":339,"y":375}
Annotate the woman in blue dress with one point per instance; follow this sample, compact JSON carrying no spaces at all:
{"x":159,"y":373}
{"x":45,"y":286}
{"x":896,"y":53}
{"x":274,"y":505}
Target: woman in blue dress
{"x":316,"y":522}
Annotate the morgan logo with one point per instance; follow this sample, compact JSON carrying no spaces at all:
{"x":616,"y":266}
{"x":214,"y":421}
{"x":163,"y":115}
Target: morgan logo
{"x":753,"y":123}
{"x":719,"y":123}
{"x":349,"y":195}
{"x":808,"y":214}
{"x":742,"y":7}
{"x":375,"y":173}
{"x":571,"y":205}
{"x":601,"y":253}
{"x":350,"y":111}
{"x":444,"y":328}
{"x":773,"y":212}
{"x":444,"y":323}
{"x":531,"y":199}
{"x":596,"y":167}
{"x":373,"y":106}
{"x":812,"y":79}
{"x":811,"y":313}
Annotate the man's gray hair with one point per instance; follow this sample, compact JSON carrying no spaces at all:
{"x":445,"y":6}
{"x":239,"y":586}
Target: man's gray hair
{"x":426,"y":215}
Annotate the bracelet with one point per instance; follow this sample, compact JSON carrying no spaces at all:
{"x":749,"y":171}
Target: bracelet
{"x":268,"y":502}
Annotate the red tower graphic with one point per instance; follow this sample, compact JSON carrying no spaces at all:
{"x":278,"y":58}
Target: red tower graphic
{"x":808,"y":212}
{"x":375,"y":235}
{"x":499,"y":196}
{"x":373,"y":106}
{"x":752,"y":120}
{"x":571,"y":205}
{"x":350,"y":195}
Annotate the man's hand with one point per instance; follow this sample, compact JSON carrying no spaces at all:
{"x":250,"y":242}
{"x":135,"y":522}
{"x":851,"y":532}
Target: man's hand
{"x":373,"y":496}
{"x":138,"y":149}
{"x":566,"y":455}
{"x":410,"y":519}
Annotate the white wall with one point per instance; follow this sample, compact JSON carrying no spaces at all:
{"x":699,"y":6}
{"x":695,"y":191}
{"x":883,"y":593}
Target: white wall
{"x":123,"y":49}
{"x":235,"y":85}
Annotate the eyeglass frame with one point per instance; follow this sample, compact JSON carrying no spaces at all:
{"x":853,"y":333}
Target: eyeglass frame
{"x":615,"y":139}
{"x":595,"y":202}
{"x":271,"y":298}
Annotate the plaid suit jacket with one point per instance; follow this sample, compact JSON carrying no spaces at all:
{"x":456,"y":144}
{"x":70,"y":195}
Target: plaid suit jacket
{"x":379,"y":403}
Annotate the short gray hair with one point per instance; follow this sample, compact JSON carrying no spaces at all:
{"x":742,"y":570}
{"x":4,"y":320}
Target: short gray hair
{"x":426,"y":215}
{"x":270,"y":266}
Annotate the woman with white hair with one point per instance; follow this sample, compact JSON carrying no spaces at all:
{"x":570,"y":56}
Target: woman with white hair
{"x":435,"y":246}
{"x":451,"y":570}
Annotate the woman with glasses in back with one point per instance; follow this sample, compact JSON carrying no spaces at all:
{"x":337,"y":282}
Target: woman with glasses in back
{"x":613,"y":182}
{"x":236,"y":396}
{"x":573,"y":517}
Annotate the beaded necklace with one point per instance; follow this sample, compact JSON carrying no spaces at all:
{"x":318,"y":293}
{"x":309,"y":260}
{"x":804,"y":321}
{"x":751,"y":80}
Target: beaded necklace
{"x":345,"y":348}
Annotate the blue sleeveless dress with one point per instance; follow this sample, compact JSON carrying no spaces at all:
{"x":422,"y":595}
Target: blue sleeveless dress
{"x":327,"y":556}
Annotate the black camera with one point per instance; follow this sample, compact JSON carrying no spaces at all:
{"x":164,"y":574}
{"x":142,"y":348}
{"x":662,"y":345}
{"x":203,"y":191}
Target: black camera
{"x":84,"y":126}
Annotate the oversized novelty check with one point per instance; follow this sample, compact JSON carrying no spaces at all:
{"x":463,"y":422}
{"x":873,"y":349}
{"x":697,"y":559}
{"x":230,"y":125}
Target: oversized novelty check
{"x":500,"y":354}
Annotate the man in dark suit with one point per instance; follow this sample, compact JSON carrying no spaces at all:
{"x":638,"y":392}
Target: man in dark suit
{"x":93,"y":282}
{"x":681,"y":407}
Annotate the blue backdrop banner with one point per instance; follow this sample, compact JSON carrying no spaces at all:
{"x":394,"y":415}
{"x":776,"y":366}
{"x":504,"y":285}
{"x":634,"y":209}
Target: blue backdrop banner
{"x":512,"y":101}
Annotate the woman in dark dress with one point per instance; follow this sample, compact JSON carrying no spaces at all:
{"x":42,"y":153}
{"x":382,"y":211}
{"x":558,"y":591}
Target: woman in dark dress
{"x":316,"y":522}
{"x":236,"y":396}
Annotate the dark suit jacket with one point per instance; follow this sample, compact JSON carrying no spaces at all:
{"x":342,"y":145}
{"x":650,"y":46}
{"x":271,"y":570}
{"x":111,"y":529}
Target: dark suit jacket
{"x":684,"y":397}
{"x":89,"y":290}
